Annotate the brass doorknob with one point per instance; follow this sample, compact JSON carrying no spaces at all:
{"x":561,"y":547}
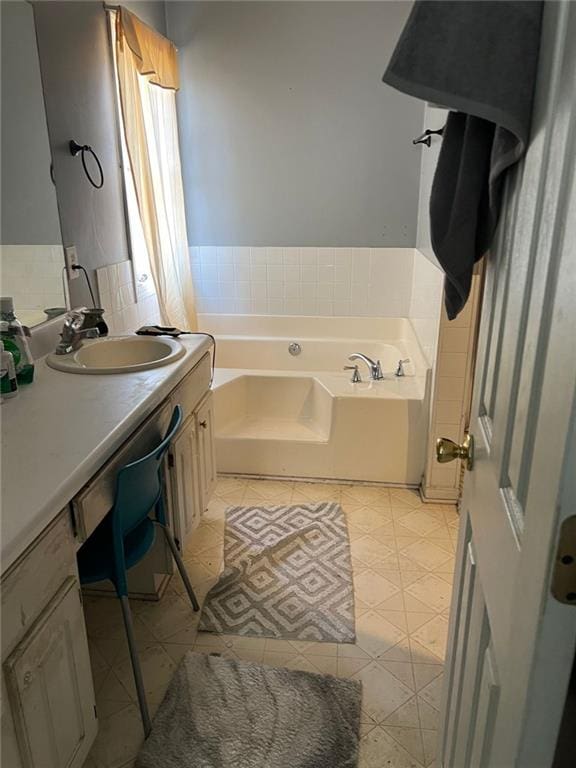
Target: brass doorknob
{"x":447,"y":450}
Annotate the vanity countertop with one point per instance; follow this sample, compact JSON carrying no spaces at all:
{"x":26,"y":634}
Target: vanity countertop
{"x":60,"y":430}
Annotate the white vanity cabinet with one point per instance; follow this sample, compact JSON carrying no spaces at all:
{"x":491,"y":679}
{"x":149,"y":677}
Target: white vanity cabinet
{"x":48,"y":712}
{"x":192,"y":470}
{"x":206,"y":448}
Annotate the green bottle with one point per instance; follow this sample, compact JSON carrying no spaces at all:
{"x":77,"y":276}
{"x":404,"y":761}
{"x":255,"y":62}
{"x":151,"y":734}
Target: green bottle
{"x":13,"y":335}
{"x":8,"y":382}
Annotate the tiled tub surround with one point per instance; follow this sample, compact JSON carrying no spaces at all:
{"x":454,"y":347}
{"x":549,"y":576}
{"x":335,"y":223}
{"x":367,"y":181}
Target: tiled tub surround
{"x":300,"y":416}
{"x":452,"y":393}
{"x":310,"y":282}
{"x":402,"y":560}
{"x":32,"y":275}
{"x":325,"y":282}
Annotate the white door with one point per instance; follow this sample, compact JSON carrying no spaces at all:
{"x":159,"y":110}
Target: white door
{"x":49,"y":685}
{"x":185,"y":482}
{"x":511,"y":643}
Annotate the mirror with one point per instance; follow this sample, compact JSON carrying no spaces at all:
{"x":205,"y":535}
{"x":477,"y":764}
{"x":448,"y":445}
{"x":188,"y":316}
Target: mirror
{"x":31,"y":253}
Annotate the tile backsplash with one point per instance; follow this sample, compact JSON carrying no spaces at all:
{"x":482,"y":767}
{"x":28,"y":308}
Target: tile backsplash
{"x":343,"y":282}
{"x":128,"y":304}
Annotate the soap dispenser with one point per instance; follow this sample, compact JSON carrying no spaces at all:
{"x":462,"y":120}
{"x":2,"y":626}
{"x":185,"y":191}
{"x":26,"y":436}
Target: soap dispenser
{"x":14,"y":336}
{"x":8,"y":383}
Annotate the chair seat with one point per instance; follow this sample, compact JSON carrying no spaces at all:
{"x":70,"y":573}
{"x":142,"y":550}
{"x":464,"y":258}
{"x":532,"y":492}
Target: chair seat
{"x":96,"y":558}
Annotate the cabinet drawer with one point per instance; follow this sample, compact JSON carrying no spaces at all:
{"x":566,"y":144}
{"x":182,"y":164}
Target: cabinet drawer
{"x":35,"y":577}
{"x":96,"y":499}
{"x":193,"y":387}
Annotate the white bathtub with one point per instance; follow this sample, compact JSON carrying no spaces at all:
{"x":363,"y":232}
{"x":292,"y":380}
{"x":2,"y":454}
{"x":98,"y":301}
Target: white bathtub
{"x":287,"y":415}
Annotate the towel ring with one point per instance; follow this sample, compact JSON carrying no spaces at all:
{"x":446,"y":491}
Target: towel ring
{"x":426,"y":137}
{"x":76,"y":148}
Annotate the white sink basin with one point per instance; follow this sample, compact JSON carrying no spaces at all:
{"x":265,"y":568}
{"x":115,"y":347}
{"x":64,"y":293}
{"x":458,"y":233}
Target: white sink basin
{"x":121,"y":354}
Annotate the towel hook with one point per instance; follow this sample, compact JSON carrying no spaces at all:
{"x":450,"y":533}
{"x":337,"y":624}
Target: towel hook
{"x":76,"y":148}
{"x":426,"y":137}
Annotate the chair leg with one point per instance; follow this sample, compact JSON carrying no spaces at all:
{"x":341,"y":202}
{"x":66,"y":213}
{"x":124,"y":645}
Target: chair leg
{"x":127,"y":614}
{"x":181,"y":566}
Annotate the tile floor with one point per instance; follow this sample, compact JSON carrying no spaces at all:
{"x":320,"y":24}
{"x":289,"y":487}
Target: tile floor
{"x":403,"y":560}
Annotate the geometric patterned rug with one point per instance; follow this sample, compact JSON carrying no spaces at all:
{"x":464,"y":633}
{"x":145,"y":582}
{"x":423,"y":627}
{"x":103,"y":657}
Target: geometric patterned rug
{"x":287,"y":574}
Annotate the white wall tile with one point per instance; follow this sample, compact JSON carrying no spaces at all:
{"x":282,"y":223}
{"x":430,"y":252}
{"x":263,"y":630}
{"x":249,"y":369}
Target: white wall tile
{"x":127,"y":306}
{"x":258,"y":273}
{"x":311,"y":281}
{"x":426,"y":303}
{"x":309,"y":257}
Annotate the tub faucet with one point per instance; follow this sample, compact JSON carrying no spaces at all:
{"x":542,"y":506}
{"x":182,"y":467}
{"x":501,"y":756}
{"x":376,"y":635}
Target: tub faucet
{"x":374,"y":367}
{"x":77,"y":326}
{"x":400,"y":369}
{"x":356,"y":378}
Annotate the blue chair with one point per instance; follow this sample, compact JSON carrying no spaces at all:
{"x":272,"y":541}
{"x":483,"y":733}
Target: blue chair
{"x":125,"y":536}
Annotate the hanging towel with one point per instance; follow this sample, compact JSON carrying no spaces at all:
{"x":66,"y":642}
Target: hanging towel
{"x":480,"y":59}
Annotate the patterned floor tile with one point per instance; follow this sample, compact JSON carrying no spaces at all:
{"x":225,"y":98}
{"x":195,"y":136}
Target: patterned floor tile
{"x":406,"y":716}
{"x":369,"y":519}
{"x":378,"y":749}
{"x":419,"y":522}
{"x":382,"y":692}
{"x":403,"y":497}
{"x":425,"y":554}
{"x":433,"y":636}
{"x":375,"y":635}
{"x":402,"y":553}
{"x":425,"y":673}
{"x":409,"y":738}
{"x":373,"y":589}
{"x":372,"y":496}
{"x":431,"y":591}
{"x":430,"y":744}
{"x":428,"y":714}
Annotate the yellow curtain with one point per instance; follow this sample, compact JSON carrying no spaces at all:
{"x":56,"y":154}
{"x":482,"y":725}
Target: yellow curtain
{"x":144,"y":61}
{"x":154,"y":55}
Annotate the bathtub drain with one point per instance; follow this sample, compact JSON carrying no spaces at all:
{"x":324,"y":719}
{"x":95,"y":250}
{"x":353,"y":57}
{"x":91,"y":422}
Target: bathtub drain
{"x":294,"y":348}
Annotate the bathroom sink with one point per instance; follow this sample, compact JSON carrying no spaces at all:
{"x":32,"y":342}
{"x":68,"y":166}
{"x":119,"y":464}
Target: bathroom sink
{"x":121,"y":354}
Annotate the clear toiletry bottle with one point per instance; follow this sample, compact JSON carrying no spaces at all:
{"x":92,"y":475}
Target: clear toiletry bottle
{"x":8,"y":383}
{"x":14,"y":335}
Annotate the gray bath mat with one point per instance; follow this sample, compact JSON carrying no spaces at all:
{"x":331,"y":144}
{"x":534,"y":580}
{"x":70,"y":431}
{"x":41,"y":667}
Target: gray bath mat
{"x":219,"y":713}
{"x":287,"y":574}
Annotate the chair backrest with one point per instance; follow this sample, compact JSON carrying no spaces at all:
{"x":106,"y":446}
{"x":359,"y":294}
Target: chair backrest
{"x":139,"y":484}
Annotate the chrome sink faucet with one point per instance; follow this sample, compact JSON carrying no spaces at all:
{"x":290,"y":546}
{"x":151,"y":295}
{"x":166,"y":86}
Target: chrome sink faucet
{"x":373,"y":366}
{"x":78,"y":325}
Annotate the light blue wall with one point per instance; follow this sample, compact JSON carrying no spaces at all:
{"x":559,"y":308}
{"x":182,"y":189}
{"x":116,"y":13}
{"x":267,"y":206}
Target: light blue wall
{"x":288,"y":136}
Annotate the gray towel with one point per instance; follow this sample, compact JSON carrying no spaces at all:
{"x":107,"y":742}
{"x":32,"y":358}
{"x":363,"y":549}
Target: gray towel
{"x":479,"y":58}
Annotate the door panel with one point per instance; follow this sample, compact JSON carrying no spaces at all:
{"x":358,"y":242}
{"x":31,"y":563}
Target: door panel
{"x":49,"y":686}
{"x":185,"y":482}
{"x":206,"y":448}
{"x":511,"y":644}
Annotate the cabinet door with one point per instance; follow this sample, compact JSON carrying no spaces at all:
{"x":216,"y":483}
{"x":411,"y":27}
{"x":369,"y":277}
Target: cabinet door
{"x":206,"y":450}
{"x":50,"y":687}
{"x":185,"y":482}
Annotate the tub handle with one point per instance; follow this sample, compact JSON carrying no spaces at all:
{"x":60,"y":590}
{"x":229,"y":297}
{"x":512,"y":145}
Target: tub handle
{"x":356,"y":378}
{"x":400,"y":369}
